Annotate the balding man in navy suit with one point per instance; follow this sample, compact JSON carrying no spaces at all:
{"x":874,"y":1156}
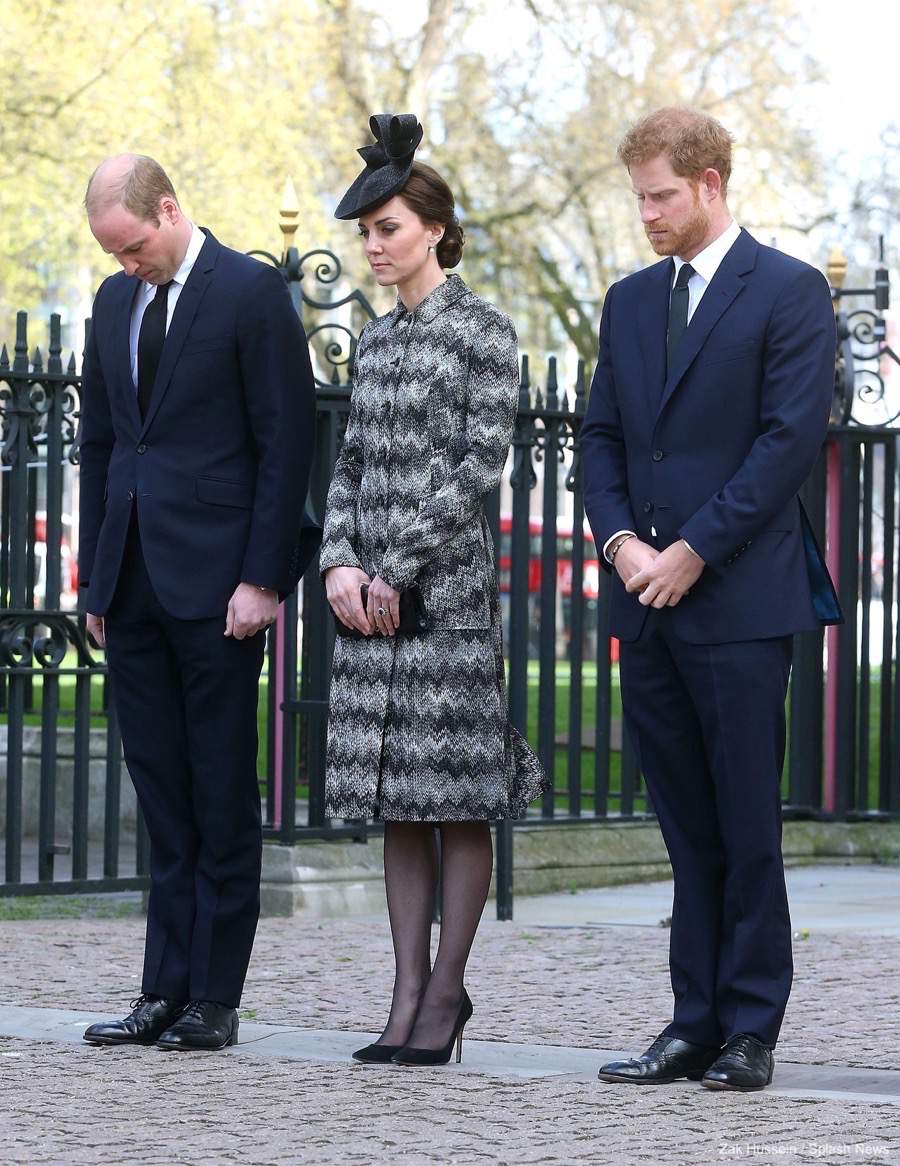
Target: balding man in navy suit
{"x":198,"y":420}
{"x":708,"y":408}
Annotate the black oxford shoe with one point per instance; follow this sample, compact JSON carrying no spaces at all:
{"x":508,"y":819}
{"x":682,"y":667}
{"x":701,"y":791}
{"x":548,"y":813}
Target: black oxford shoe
{"x":202,"y":1025}
{"x":150,"y":1018}
{"x":744,"y":1064}
{"x":665,"y":1061}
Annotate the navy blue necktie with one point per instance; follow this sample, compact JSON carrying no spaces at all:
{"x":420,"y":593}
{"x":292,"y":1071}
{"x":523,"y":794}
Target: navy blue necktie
{"x":678,"y":313}
{"x":151,"y":338}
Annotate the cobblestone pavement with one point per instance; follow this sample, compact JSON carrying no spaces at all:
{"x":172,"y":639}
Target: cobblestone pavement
{"x":590,"y":987}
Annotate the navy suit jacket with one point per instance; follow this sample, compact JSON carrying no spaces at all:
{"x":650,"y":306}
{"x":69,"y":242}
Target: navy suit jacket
{"x":219,"y":467}
{"x":716,"y":451}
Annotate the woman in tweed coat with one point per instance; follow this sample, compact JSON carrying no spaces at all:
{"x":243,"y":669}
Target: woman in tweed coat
{"x":418,"y":732}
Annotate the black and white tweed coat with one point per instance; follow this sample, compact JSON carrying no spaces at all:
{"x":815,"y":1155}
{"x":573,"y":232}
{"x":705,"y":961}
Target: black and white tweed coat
{"x":418,"y":727}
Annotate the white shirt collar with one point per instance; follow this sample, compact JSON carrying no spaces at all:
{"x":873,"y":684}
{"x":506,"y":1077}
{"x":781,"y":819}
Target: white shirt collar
{"x":196,"y":241}
{"x":706,"y":262}
{"x":190,"y":256}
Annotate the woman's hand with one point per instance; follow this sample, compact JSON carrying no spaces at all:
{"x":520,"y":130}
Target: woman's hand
{"x":383,"y":598}
{"x":342,"y":586}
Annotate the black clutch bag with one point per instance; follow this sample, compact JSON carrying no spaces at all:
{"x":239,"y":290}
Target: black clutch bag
{"x":413,"y":617}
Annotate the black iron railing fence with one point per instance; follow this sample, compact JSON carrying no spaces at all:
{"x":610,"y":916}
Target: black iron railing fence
{"x":69,"y":819}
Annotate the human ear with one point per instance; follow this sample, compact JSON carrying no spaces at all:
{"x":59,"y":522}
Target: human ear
{"x":711,"y":182}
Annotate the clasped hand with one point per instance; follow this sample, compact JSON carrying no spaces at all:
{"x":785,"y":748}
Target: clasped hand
{"x":659,"y":578}
{"x":342,"y":590}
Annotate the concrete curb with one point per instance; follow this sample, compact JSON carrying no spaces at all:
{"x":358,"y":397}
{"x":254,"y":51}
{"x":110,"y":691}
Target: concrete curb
{"x":489,"y":1058}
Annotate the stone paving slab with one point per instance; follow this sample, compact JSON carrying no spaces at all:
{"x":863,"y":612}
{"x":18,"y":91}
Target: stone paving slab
{"x":491,"y":1058}
{"x":833,"y":898}
{"x":588,"y":987}
{"x":67,"y":1105}
{"x":571,"y":993}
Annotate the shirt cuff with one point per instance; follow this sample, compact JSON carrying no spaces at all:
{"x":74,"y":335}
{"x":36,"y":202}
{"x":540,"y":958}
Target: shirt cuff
{"x":696,"y":554}
{"x":612,"y":538}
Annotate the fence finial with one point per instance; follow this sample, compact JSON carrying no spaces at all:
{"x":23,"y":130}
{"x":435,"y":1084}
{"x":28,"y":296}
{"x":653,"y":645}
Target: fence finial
{"x":290,"y":213}
{"x":836,"y":269}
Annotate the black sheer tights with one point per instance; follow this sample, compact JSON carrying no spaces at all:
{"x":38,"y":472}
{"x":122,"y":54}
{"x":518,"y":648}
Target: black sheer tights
{"x":426,"y":1000}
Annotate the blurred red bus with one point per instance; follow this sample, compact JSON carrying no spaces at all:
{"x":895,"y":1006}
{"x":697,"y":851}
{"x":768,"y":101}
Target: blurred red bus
{"x":590,"y":585}
{"x":68,"y":599}
{"x":564,"y":543}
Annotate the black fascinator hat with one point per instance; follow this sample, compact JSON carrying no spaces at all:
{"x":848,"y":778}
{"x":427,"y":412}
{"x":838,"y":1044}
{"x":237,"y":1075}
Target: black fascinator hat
{"x":389,"y":162}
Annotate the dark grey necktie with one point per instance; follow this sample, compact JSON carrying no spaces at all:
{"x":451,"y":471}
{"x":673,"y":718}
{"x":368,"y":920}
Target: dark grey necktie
{"x":151,"y":338}
{"x":678,"y":313}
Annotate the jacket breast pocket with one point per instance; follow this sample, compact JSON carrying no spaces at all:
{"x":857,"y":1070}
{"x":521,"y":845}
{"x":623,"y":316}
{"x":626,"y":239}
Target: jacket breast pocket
{"x":206,"y":344}
{"x":747,"y":350}
{"x":221,"y":492}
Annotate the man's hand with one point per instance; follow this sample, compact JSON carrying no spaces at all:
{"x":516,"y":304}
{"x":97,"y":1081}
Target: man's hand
{"x":249,"y":610}
{"x":633,"y":556}
{"x":665,"y":581}
{"x":383,"y":598}
{"x":342,"y":586}
{"x":97,"y":629}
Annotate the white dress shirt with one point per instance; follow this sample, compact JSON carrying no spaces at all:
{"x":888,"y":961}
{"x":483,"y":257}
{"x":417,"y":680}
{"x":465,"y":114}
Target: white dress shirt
{"x":705,"y":264}
{"x":147,"y":291}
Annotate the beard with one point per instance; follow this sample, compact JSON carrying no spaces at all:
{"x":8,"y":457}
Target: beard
{"x":678,"y":240}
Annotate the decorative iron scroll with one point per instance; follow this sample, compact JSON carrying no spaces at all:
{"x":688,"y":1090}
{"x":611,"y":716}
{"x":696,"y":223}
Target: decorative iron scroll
{"x":861,"y":396}
{"x":42,"y":639}
{"x":332,"y":341}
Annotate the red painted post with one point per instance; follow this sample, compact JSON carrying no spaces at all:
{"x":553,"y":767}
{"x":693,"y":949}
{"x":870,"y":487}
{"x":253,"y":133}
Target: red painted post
{"x":832,"y":558}
{"x":278,"y":776}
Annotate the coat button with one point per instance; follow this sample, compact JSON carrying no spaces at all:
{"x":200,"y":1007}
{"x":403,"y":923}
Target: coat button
{"x":131,"y":495}
{"x":142,"y":448}
{"x":648,"y":506}
{"x":658,"y":455}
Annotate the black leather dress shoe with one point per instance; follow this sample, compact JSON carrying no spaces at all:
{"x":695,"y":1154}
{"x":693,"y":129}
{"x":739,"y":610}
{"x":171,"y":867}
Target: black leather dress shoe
{"x":744,"y":1064}
{"x":202,"y":1025}
{"x":666,"y":1060}
{"x":150,"y":1017}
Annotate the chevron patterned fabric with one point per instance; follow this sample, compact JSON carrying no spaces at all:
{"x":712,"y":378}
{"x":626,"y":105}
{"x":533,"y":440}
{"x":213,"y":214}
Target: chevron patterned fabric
{"x":418,"y":727}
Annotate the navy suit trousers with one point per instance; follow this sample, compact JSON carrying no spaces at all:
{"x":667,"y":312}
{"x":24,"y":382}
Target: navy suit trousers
{"x":186,"y":698}
{"x":708,"y":725}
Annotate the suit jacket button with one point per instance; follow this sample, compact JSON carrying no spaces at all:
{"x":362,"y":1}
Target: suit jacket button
{"x":142,"y":448}
{"x":658,"y":455}
{"x":131,"y":495}
{"x":648,"y":506}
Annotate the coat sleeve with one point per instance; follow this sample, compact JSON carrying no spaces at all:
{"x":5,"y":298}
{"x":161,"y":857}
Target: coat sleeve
{"x":279,"y":392}
{"x":795,"y":400}
{"x":339,"y":537}
{"x":96,"y":442}
{"x":602,"y":446}
{"x":491,"y":401}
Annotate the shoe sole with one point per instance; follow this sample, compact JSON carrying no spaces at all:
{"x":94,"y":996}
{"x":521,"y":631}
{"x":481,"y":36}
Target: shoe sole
{"x":724,"y":1087}
{"x":721,"y":1087}
{"x":232,"y":1040}
{"x":613,"y":1079}
{"x":111,"y":1040}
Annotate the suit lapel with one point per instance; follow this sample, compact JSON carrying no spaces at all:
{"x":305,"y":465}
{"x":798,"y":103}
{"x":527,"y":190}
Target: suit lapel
{"x":653,"y":313}
{"x":122,"y":342}
{"x":182,"y":318}
{"x":724,"y":288}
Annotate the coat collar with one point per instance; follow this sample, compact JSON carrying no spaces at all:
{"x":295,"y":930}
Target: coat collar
{"x":443,"y":296}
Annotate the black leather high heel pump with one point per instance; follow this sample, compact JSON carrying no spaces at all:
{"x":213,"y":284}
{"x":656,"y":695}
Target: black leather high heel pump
{"x":412,"y":1056}
{"x":376,"y":1054}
